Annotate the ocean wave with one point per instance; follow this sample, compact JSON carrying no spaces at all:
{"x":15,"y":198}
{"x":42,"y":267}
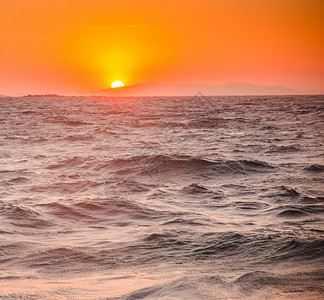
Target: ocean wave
{"x":64,"y":211}
{"x":72,"y":162}
{"x":282,"y":194}
{"x":78,"y":138}
{"x":292,"y":213}
{"x":71,"y":187}
{"x":195,"y":188}
{"x":182,"y":288}
{"x":66,"y":121}
{"x":251,"y":205}
{"x":209,"y":122}
{"x":252,"y":282}
{"x":312,"y":200}
{"x":120,"y":186}
{"x":251,"y":285}
{"x":315,"y":168}
{"x":184,"y":222}
{"x":229,"y":243}
{"x":299,"y":249}
{"x":23,"y":216}
{"x":296,"y":211}
{"x":284,"y":149}
{"x":65,"y":260}
{"x":17,"y":180}
{"x":157,"y":164}
{"x":114,"y":210}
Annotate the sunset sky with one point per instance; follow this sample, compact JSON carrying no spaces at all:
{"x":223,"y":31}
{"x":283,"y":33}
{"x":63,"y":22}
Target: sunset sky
{"x":74,"y":46}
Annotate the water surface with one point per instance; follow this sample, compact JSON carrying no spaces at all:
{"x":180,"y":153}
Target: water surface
{"x":161,"y":198}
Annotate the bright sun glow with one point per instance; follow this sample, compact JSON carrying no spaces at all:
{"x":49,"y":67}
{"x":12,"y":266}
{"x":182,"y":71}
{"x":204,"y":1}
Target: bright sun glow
{"x":117,"y":84}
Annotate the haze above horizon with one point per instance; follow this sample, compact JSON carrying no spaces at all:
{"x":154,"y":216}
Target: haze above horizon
{"x":57,"y":46}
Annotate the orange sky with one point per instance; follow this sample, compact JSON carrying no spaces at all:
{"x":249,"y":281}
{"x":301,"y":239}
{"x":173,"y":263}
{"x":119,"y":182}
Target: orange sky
{"x":70,"y":46}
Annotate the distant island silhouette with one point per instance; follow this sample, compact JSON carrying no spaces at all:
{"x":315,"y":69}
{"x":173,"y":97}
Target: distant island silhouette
{"x":230,"y":89}
{"x":161,"y":89}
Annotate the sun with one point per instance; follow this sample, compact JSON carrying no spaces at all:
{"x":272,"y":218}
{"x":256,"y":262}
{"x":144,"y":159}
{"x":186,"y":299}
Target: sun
{"x":117,"y":84}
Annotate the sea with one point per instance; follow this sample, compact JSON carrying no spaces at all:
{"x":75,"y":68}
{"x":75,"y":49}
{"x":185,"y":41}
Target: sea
{"x":202,"y":197}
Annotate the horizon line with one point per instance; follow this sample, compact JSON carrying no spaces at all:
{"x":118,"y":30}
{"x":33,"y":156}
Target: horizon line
{"x":173,"y":85}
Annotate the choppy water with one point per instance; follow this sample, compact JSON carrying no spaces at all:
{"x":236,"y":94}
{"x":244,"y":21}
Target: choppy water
{"x":162,"y":198}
